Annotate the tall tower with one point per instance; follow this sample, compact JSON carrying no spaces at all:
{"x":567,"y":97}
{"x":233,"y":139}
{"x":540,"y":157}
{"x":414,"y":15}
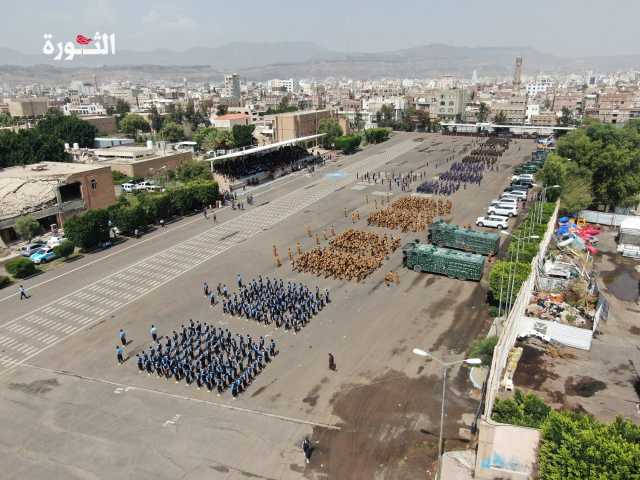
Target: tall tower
{"x":517,"y":74}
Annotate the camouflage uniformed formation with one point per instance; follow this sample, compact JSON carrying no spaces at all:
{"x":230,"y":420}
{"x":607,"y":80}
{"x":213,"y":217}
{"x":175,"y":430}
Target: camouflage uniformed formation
{"x":412,"y":214}
{"x":354,"y":254}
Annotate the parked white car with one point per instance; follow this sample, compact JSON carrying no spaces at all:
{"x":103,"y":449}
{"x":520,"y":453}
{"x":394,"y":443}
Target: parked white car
{"x":128,"y":187}
{"x":518,"y":194}
{"x":145,"y":186}
{"x":523,"y":176}
{"x":505,"y":201}
{"x":493,"y":221}
{"x":503,"y":210}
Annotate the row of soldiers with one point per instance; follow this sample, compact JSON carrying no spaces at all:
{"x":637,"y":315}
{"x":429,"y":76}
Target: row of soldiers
{"x":208,"y":356}
{"x":291,"y":306}
{"x":410,"y":213}
{"x":363,"y":242}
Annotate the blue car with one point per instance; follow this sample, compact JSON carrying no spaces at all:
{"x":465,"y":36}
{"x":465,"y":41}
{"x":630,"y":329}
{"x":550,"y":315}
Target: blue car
{"x":43,"y":255}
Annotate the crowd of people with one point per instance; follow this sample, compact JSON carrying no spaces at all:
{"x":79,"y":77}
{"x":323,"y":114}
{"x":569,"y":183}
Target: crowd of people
{"x":290,"y":306}
{"x":291,"y":157}
{"x":412,"y":214}
{"x":469,"y":171}
{"x":207,"y":356}
{"x":354,"y":254}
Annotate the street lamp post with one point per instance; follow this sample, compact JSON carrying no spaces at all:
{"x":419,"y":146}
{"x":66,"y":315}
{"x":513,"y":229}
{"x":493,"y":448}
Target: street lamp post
{"x":514,"y":267}
{"x":543,"y":200}
{"x":445,"y":366}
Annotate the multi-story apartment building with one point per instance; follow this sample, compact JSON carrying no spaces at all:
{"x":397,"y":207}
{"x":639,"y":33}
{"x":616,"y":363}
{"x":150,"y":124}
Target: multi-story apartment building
{"x":232,"y":86}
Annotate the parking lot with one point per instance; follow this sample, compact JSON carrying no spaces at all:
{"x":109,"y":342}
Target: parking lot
{"x":69,"y":410}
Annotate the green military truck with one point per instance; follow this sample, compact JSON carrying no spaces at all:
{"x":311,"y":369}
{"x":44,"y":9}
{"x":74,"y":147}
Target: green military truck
{"x":422,"y":257}
{"x":448,"y":235}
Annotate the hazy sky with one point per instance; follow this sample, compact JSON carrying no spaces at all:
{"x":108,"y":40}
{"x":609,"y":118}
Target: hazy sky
{"x":564,"y":27}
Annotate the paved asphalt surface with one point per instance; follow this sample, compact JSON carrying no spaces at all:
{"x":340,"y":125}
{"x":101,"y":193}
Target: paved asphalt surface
{"x":69,"y":411}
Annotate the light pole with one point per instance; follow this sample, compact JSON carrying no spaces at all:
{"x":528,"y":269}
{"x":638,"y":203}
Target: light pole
{"x":543,"y":200}
{"x":514,"y":266}
{"x":445,"y":366}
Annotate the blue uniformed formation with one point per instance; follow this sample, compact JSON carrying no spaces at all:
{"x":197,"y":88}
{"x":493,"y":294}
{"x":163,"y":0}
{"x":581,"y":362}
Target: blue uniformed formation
{"x":290,"y":306}
{"x":459,"y":175}
{"x":210,"y":357}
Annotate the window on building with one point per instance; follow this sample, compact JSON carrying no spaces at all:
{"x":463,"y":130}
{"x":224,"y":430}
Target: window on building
{"x":94,"y":184}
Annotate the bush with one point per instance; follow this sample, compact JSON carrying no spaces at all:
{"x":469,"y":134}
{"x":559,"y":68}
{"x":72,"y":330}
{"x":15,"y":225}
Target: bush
{"x":4,"y":281}
{"x":119,"y":178}
{"x":500,"y":273}
{"x":578,"y":447}
{"x":20,"y":267}
{"x":129,"y":217}
{"x":524,"y":410}
{"x":483,"y":348}
{"x":377,"y":135}
{"x":89,"y":229}
{"x":65,"y":249}
{"x":348,"y":143}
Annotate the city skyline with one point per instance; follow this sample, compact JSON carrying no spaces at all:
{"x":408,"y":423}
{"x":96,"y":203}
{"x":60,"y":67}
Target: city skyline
{"x":562,"y":29}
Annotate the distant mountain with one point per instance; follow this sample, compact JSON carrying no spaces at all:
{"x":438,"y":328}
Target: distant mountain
{"x":260,"y":61}
{"x":229,"y":56}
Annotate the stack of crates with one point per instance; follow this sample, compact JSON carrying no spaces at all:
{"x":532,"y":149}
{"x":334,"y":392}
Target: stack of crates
{"x":449,"y":235}
{"x":427,"y":258}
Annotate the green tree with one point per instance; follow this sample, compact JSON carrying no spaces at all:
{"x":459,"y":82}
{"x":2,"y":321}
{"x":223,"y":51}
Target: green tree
{"x":88,"y":229}
{"x":133,"y":123}
{"x":222,"y":109}
{"x":29,"y":146}
{"x":5,"y":120}
{"x":566,"y":119}
{"x":64,"y":248}
{"x":358,"y":122}
{"x":176,"y":113}
{"x":128,"y":218}
{"x":243,"y":135}
{"x":67,"y":128}
{"x":332,"y":130}
{"x":576,"y":194}
{"x":377,"y":135}
{"x":171,"y":132}
{"x":156,"y":119}
{"x":500,"y":118}
{"x":483,"y":112}
{"x":348,"y":143}
{"x":27,"y":227}
{"x":223,"y":139}
{"x":525,"y":410}
{"x":578,"y":447}
{"x":483,"y":348}
{"x":502,"y":273}
{"x":192,"y":170}
{"x":122,"y":107}
{"x":424,"y":119}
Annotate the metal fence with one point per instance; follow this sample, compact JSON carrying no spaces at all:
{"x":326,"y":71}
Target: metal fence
{"x":602,"y":218}
{"x":511,"y":325}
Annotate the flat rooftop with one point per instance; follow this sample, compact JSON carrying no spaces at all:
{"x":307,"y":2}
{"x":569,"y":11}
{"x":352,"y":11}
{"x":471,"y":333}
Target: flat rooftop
{"x":46,"y":170}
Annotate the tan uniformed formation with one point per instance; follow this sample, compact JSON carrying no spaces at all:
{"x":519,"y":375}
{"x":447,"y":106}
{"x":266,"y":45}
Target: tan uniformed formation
{"x":354,"y":254}
{"x":410,"y":214}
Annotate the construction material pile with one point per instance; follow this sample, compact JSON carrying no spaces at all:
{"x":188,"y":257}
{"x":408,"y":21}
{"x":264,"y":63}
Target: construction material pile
{"x":354,"y":254}
{"x":410,"y":213}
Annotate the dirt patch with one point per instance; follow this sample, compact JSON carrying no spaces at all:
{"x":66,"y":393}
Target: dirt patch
{"x":634,"y":330}
{"x":220,"y":468}
{"x":623,"y":283}
{"x":312,"y":397}
{"x":37,"y":387}
{"x":533,"y":368}
{"x":470,"y":319}
{"x":583,"y":386}
{"x":381,"y":435}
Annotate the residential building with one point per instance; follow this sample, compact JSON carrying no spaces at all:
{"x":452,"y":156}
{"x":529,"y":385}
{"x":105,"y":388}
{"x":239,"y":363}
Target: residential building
{"x":134,"y":161}
{"x":232,"y":86}
{"x":83,"y":110}
{"x":51,"y":192}
{"x":230,"y":120}
{"x":515,"y":109}
{"x":288,"y":126}
{"x":288,"y":86}
{"x":28,"y":107}
{"x":544,"y":118}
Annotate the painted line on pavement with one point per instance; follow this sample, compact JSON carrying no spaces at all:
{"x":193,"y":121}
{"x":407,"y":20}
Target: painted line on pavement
{"x":129,"y":388}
